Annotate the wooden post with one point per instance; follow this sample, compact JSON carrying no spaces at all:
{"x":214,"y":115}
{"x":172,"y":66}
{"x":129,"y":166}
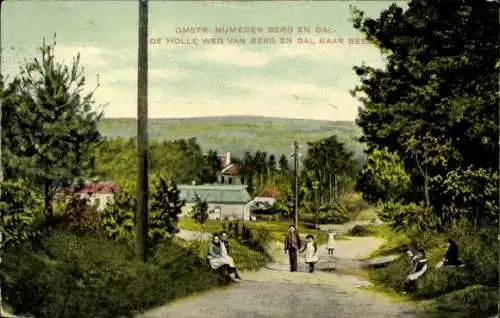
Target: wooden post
{"x":142,"y":134}
{"x":296,"y":161}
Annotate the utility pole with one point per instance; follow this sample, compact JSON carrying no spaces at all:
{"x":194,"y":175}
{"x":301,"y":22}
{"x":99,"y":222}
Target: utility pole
{"x":296,"y":162}
{"x":316,"y":206}
{"x":142,"y":135}
{"x":1,"y":168}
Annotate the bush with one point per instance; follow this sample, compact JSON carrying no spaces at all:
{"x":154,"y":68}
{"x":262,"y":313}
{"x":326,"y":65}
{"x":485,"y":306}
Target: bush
{"x":335,"y":213}
{"x":79,"y":216}
{"x":474,"y":301}
{"x":257,"y":239}
{"x":475,"y":250}
{"x":90,"y":276}
{"x":19,"y":212}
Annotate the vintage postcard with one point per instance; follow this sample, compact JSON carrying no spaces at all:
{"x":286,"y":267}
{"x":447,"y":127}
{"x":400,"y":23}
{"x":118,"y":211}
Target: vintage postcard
{"x":249,"y":159}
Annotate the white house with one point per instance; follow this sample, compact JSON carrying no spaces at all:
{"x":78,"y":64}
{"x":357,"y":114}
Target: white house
{"x":225,"y":202}
{"x":265,"y":200}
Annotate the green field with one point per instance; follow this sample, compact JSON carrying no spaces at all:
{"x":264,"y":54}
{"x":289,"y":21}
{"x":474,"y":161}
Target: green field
{"x":237,"y":134}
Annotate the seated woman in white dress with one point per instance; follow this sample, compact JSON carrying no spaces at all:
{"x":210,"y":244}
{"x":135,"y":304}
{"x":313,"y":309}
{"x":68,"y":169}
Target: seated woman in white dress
{"x":218,"y":257}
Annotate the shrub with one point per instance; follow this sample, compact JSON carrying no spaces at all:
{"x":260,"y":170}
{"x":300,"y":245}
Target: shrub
{"x":475,"y":250}
{"x":333,"y":213}
{"x":165,"y":206}
{"x":79,"y":216}
{"x":20,"y":208}
{"x":90,"y":276}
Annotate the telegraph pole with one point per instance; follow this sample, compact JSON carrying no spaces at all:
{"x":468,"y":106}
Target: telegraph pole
{"x":296,"y":162}
{"x":142,"y":134}
{"x":316,"y":206}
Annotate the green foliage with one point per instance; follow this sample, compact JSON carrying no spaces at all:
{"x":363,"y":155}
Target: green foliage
{"x":180,"y":160}
{"x":403,"y":217}
{"x":165,"y":206}
{"x":335,"y":213}
{"x":383,"y":177}
{"x":474,"y":193}
{"x":19,"y":212}
{"x":434,"y":105}
{"x":88,"y":276}
{"x":79,"y":216}
{"x":118,"y":217}
{"x":49,"y":124}
{"x":329,"y":163}
{"x":457,"y":286}
{"x":199,"y":210}
{"x":257,"y":239}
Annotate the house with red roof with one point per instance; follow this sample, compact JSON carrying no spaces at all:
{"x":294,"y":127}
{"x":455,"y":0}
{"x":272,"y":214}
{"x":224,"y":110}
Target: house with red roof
{"x":97,"y":193}
{"x":230,"y":173}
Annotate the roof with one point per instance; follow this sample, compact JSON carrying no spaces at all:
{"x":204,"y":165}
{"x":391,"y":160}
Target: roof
{"x":94,"y":188}
{"x":233,"y":170}
{"x":215,"y":193}
{"x":270,"y":192}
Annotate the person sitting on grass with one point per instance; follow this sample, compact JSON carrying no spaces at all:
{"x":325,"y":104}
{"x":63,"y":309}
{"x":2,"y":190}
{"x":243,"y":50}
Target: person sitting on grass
{"x":451,"y":256}
{"x":218,"y":257}
{"x":225,"y":240}
{"x":419,"y":267}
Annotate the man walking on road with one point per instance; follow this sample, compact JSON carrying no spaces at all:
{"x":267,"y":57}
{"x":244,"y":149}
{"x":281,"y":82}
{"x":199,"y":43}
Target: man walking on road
{"x":292,"y":245}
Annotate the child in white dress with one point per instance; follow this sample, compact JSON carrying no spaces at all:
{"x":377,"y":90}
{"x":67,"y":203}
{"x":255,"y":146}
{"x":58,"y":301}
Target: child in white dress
{"x":311,"y":252}
{"x":330,"y":245}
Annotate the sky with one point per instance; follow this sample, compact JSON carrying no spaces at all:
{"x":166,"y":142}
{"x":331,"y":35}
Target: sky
{"x":302,"y":79}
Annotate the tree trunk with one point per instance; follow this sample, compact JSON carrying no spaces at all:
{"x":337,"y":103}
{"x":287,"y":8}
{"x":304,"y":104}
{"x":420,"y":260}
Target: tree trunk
{"x":330,"y":195}
{"x":426,"y":192}
{"x":335,"y":188}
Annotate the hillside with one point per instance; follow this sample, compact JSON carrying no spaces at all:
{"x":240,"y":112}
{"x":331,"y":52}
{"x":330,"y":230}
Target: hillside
{"x":238,"y":134}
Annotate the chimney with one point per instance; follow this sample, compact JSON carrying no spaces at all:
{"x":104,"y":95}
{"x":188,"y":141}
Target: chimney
{"x":228,"y":159}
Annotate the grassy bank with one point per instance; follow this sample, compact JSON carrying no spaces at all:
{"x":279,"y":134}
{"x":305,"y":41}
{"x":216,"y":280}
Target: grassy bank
{"x":68,"y":275}
{"x":277,"y":229}
{"x":245,"y":258}
{"x":466,"y":292}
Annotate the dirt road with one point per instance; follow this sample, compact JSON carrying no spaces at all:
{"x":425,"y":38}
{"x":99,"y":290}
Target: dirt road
{"x":274,"y":292}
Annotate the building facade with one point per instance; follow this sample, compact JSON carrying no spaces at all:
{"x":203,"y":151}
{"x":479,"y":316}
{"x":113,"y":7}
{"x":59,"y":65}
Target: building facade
{"x":225,"y":202}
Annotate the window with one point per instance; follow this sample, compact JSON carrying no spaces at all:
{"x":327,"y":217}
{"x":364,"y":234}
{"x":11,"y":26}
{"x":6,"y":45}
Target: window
{"x":230,"y":181}
{"x":242,"y":180}
{"x":221,"y":179}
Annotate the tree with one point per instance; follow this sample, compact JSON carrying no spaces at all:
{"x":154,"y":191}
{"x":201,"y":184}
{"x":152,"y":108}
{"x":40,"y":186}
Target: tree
{"x":272,"y":166}
{"x":210,"y":168}
{"x":283,"y":165}
{"x":199,"y":211}
{"x":51,"y":124}
{"x":383,"y":178}
{"x":435,"y":103}
{"x":165,"y":207}
{"x":327,"y":161}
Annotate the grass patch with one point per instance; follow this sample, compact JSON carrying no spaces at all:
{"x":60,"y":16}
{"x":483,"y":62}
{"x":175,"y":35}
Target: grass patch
{"x":473,"y":301}
{"x":65,"y":275}
{"x":245,"y":258}
{"x":472,"y":290}
{"x":277,"y":229}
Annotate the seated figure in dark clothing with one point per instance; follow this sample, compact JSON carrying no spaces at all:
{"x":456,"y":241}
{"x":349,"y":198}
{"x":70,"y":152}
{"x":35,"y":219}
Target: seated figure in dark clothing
{"x":451,"y":256}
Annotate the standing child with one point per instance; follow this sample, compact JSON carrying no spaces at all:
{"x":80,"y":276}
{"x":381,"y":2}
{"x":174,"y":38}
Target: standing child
{"x":311,"y":251}
{"x":330,"y":242}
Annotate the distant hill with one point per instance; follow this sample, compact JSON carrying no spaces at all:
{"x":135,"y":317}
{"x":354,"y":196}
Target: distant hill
{"x":237,"y":134}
